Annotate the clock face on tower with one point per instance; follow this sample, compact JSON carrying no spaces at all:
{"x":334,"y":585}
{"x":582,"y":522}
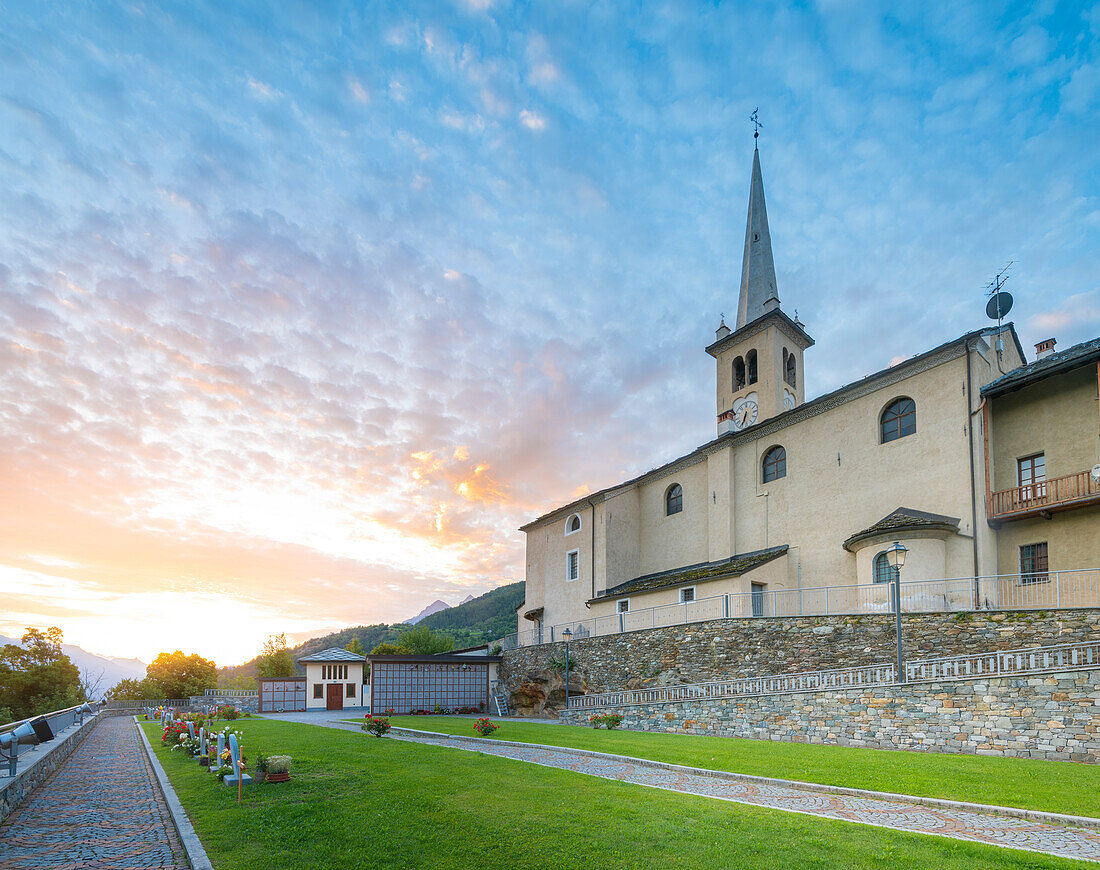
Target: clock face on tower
{"x":788,"y":400}
{"x":745,"y":411}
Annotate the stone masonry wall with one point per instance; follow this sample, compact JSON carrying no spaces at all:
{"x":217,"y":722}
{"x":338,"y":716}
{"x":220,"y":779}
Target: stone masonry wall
{"x":1052,"y":716}
{"x":730,"y":648}
{"x":15,"y":790}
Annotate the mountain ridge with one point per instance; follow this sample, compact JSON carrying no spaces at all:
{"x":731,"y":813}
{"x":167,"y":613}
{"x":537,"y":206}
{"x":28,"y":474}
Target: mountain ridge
{"x":473,"y":622}
{"x":101,"y":672}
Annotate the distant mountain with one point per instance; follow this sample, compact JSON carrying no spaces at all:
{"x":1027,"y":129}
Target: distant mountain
{"x":94,"y":668}
{"x":434,"y":607}
{"x":474,"y":621}
{"x":485,"y":618}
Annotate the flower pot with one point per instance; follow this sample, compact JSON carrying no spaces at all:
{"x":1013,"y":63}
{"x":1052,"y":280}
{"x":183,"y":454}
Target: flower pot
{"x":204,"y":761}
{"x":278,"y":777}
{"x":259,"y":776}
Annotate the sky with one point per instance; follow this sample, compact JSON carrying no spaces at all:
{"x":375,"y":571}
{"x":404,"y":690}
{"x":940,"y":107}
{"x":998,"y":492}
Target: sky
{"x":306,"y":308}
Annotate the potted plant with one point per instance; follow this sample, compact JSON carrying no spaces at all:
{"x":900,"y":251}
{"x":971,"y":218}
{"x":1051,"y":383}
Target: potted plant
{"x":278,"y":768}
{"x":261,"y":767}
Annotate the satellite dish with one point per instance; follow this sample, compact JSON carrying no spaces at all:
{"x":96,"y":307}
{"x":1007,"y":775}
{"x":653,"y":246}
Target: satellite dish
{"x":999,"y":305}
{"x":1096,"y":473}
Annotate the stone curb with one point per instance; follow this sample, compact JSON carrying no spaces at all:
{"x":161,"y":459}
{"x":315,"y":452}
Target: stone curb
{"x":942,"y":803}
{"x":192,"y":845}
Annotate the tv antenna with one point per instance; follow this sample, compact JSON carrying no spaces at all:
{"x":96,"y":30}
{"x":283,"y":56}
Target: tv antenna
{"x":1000,"y":302}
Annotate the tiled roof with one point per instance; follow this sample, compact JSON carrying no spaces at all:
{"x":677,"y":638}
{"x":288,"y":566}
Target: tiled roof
{"x":700,"y":573}
{"x":1062,"y":361}
{"x":905,"y":519}
{"x":333,"y":654}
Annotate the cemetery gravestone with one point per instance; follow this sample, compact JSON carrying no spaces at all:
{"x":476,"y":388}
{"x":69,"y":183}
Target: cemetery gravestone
{"x":221,"y":749}
{"x":234,"y":761}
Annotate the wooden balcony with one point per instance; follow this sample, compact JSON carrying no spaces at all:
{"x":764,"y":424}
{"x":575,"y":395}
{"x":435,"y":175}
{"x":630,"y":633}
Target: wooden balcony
{"x":1043,"y":498}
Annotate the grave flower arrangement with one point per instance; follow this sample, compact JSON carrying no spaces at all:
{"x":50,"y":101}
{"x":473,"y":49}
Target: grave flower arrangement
{"x":278,"y":768}
{"x":172,"y":734}
{"x":484,"y":727}
{"x":187,"y":744}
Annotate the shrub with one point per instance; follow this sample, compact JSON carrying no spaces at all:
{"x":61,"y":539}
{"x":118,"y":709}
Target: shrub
{"x":484,"y":727}
{"x":229,"y":713}
{"x":279,"y":763}
{"x":605,"y":720}
{"x":376,"y":725}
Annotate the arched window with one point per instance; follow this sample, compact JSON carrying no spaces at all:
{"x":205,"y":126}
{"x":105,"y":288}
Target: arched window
{"x":573,"y":525}
{"x":883,"y":573}
{"x":738,"y":374}
{"x":674,"y":500}
{"x":788,"y":368}
{"x":898,"y":419}
{"x":775,"y":464}
{"x":750,"y":366}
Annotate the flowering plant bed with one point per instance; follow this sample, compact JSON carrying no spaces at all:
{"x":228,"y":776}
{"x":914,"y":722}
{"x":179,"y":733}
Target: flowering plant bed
{"x":605,"y":720}
{"x":376,"y":725}
{"x":484,"y":727}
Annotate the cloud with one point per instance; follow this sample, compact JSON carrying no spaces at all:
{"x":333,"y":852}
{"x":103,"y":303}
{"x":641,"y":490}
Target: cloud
{"x":532,"y":120}
{"x":310,"y":337}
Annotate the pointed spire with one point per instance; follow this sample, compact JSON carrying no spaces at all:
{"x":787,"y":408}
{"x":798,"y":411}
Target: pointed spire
{"x":758,"y":288}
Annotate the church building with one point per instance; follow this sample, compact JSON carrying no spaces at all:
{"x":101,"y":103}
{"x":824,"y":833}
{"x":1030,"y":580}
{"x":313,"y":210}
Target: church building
{"x":791,"y":508}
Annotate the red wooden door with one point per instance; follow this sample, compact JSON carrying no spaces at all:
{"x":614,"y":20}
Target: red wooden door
{"x":334,"y":696}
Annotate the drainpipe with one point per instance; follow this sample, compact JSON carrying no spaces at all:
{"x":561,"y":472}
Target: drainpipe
{"x":973,"y":489}
{"x":592,"y":546}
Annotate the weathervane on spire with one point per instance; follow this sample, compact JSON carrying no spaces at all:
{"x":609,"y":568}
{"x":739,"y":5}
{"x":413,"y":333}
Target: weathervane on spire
{"x":755,"y":123}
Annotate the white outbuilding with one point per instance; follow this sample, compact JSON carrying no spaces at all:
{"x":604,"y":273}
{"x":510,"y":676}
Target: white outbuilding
{"x":334,"y":679}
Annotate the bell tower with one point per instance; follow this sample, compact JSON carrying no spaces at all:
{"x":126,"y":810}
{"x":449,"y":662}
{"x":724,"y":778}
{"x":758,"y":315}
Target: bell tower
{"x":760,"y":373}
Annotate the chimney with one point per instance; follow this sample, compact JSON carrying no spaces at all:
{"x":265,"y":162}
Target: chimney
{"x":1044,"y":348}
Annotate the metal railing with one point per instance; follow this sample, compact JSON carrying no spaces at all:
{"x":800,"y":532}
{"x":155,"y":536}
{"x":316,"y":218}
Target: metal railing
{"x":230,"y":693}
{"x":1074,"y":656}
{"x":1077,"y":656}
{"x":120,"y":704}
{"x":781,"y":684}
{"x":1047,"y":590}
{"x":56,"y":722}
{"x":1031,"y":498}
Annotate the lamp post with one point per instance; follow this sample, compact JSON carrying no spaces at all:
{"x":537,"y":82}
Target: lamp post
{"x":567,"y":634}
{"x":895,"y":556}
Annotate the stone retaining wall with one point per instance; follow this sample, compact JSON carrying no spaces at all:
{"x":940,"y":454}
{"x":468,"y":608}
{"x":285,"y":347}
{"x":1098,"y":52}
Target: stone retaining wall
{"x":730,"y":648}
{"x":1052,"y":716}
{"x":247,"y":704}
{"x":14,"y":791}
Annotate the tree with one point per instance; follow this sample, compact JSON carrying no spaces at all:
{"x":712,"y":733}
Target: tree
{"x":135,"y":690}
{"x":389,"y":649}
{"x":276,"y":660}
{"x":355,"y":647}
{"x":37,"y":677}
{"x":180,"y":676}
{"x":421,"y":640}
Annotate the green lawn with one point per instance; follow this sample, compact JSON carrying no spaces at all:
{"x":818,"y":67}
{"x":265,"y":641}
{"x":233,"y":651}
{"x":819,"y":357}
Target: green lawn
{"x":356,"y":801}
{"x":1053,"y":786}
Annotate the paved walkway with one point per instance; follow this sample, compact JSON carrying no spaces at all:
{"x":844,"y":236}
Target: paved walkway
{"x":101,"y":809}
{"x":1004,"y":831}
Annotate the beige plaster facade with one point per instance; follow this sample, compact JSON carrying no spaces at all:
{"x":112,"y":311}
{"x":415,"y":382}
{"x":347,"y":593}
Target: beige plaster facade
{"x":836,"y":506}
{"x":1056,"y":417}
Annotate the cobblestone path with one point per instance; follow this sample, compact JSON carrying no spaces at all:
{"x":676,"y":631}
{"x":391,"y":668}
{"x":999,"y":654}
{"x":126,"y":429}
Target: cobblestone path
{"x":1013,"y":833}
{"x":102,"y":809}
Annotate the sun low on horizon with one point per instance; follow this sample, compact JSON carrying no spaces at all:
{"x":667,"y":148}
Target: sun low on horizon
{"x":303,"y":313}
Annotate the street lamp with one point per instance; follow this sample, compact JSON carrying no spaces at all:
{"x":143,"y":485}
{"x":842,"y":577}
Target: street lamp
{"x":895,"y":556}
{"x":567,"y":634}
